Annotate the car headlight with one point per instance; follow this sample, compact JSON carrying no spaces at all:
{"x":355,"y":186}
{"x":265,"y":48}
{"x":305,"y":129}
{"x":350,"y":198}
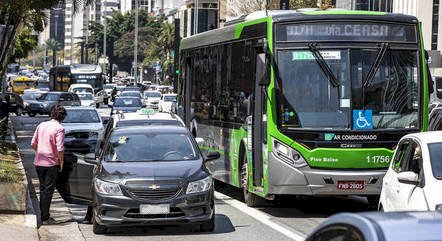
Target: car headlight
{"x":200,"y":185}
{"x":107,"y":187}
{"x":288,"y":154}
{"x":438,"y":207}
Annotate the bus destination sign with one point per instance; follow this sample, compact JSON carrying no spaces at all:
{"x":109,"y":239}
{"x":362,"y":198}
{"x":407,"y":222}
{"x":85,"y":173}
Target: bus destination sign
{"x":345,"y":32}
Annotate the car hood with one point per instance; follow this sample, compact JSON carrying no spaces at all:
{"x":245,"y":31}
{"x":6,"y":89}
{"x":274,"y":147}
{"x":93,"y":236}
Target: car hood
{"x":83,"y":127}
{"x":87,"y":102}
{"x":156,"y":170}
{"x":151,"y":99}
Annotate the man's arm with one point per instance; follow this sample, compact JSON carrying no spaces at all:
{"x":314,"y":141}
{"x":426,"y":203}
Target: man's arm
{"x":34,"y":142}
{"x":61,"y":158}
{"x":59,"y":139}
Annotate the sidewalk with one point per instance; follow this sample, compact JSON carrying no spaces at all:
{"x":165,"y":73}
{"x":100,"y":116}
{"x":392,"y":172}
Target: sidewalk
{"x":65,"y":228}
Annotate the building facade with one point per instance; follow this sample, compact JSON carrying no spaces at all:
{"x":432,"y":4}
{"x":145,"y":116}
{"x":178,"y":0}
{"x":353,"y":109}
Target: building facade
{"x":198,"y":16}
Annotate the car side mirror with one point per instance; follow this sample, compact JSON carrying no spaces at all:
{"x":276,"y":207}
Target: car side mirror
{"x":212,"y":155}
{"x":408,"y":178}
{"x":88,"y":158}
{"x":199,"y":141}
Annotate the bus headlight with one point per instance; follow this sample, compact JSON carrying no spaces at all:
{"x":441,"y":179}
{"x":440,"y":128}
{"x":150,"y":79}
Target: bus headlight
{"x":288,"y":154}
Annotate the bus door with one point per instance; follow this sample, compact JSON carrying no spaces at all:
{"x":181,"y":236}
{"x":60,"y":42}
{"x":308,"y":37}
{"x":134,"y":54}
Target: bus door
{"x":259,"y":121}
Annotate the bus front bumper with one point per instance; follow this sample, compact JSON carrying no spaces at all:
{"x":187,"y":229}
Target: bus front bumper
{"x":309,"y":181}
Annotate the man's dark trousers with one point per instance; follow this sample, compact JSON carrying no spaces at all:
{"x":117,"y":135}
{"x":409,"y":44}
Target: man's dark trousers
{"x":47,"y":177}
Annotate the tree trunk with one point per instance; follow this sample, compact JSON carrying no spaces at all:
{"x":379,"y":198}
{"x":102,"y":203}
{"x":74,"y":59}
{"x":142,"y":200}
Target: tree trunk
{"x":54,"y":57}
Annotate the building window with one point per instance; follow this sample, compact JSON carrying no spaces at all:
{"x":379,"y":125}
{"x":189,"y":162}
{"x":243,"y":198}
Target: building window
{"x":435,"y":25}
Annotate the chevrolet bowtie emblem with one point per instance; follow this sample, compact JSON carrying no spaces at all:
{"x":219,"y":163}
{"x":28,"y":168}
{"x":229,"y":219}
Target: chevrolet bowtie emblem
{"x":154,"y":187}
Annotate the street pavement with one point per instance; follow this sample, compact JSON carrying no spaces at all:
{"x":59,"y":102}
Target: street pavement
{"x":288,"y":218}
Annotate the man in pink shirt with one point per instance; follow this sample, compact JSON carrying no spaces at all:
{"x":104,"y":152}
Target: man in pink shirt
{"x":48,"y":143}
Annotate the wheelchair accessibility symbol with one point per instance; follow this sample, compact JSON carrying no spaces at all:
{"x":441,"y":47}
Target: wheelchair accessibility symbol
{"x":362,"y":119}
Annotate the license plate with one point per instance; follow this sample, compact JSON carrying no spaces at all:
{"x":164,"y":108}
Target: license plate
{"x":155,"y":209}
{"x":351,"y":185}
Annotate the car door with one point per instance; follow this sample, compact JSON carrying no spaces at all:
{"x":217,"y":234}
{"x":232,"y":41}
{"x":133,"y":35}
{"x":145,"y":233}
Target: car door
{"x":75,"y":182}
{"x":390,"y":182}
{"x":411,"y":195}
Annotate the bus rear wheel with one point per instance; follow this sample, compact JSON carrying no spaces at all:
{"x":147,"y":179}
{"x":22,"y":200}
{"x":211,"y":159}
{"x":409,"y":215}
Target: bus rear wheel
{"x":249,"y":198}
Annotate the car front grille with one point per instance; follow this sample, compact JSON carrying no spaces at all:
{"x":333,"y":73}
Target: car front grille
{"x":135,"y":213}
{"x":156,"y":195}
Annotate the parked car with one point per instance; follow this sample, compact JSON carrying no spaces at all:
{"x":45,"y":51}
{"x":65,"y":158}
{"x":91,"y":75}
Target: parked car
{"x":146,"y":176}
{"x":165,"y":104}
{"x":16,"y":104}
{"x":83,"y":128}
{"x":44,"y":104}
{"x":414,"y":175}
{"x":379,"y":226}
{"x":126,"y":104}
{"x":152,"y":98}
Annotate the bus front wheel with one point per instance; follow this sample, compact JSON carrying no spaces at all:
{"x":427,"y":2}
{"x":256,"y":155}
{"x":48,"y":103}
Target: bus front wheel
{"x":249,"y":198}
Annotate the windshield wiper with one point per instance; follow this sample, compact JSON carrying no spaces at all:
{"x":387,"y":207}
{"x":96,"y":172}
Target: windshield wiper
{"x":374,"y":68}
{"x":323,"y":64}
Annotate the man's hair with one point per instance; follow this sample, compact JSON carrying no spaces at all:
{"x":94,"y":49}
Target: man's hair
{"x":58,"y":112}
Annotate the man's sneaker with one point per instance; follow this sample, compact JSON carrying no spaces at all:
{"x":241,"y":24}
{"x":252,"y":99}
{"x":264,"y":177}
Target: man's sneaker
{"x":49,"y":221}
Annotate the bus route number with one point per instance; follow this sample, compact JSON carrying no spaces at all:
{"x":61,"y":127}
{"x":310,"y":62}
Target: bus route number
{"x":378,"y":159}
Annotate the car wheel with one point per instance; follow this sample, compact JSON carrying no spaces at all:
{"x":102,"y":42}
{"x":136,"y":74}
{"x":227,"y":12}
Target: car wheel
{"x":249,"y":198}
{"x":208,"y":226}
{"x":19,"y":111}
{"x":31,"y":114}
{"x":97,"y":228}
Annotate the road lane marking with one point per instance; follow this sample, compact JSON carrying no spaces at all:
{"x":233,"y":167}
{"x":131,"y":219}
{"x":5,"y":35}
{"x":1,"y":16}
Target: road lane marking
{"x":260,"y":216}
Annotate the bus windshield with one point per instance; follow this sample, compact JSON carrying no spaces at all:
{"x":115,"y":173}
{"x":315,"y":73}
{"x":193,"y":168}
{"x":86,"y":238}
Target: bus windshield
{"x":95,"y":80}
{"x":310,"y":100}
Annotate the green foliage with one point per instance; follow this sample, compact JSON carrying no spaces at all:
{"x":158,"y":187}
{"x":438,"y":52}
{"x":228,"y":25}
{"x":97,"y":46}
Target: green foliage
{"x":9,"y":172}
{"x":24,"y":44}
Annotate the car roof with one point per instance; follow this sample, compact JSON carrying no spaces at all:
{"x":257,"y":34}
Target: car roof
{"x":150,"y":129}
{"x":139,"y":116}
{"x":131,"y":91}
{"x":169,"y":94}
{"x":80,"y":107}
{"x":127,"y":97}
{"x":426,"y":137}
{"x":393,"y":225}
{"x":80,"y":85}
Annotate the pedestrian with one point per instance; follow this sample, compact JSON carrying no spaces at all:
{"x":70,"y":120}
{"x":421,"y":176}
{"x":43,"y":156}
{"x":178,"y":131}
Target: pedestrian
{"x":48,"y":143}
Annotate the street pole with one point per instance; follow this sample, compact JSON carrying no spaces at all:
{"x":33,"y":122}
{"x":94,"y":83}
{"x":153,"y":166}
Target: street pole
{"x":136,"y":42}
{"x":104,"y":38}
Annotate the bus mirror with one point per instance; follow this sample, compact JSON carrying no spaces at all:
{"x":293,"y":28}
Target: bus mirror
{"x":262,"y":69}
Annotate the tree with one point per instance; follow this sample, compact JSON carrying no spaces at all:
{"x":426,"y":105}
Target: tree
{"x":53,"y":45}
{"x":15,"y":15}
{"x":24,"y":44}
{"x":243,"y":7}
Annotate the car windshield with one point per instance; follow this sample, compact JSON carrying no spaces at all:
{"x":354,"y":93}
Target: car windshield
{"x":82,"y":90}
{"x":85,"y":96}
{"x":148,"y":123}
{"x":436,"y":159}
{"x":30,"y":96}
{"x":152,"y":94}
{"x":81,"y":116}
{"x":169,"y":98}
{"x":150,"y":147}
{"x":131,"y":93}
{"x":310,"y":98}
{"x":50,"y":97}
{"x":127,"y":102}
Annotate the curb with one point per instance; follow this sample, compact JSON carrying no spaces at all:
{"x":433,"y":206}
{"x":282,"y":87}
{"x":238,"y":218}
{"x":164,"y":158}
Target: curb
{"x":30,"y":216}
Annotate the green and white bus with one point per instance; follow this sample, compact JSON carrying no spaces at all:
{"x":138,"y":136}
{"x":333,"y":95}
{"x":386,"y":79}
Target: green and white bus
{"x":305,"y":102}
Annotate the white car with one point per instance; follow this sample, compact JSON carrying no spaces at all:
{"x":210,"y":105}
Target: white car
{"x":165,"y":104}
{"x":414,"y":178}
{"x":87,"y":99}
{"x":152,"y":99}
{"x":79,"y":88}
